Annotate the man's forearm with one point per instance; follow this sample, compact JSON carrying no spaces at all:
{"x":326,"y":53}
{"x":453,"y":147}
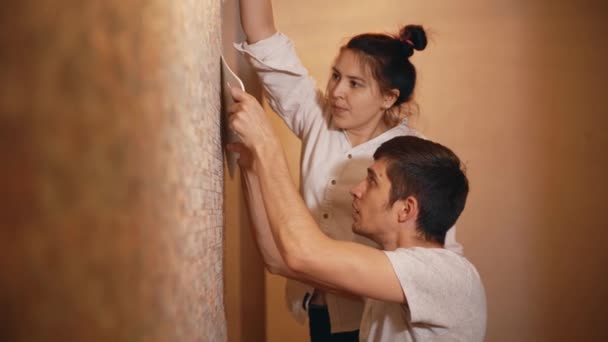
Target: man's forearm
{"x":260,"y":227}
{"x":295,"y":232}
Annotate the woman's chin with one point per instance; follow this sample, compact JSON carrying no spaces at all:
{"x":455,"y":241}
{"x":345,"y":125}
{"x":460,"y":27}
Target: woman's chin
{"x":340,"y":122}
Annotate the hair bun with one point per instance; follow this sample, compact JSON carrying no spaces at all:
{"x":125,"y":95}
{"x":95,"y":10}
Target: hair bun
{"x":414,"y":36}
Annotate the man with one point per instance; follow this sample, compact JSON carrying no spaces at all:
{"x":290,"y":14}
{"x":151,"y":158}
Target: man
{"x":413,"y":193}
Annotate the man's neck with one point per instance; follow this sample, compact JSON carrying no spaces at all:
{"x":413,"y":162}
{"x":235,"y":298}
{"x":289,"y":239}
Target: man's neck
{"x":406,"y":238}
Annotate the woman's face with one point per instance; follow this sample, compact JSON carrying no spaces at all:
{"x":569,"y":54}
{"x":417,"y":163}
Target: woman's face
{"x":355,"y":99}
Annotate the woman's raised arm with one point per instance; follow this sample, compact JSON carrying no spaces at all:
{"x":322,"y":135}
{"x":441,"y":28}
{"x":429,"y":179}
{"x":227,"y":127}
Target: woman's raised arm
{"x":256,"y":19}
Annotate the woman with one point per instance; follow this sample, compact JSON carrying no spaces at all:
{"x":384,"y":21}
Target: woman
{"x":364,"y":105}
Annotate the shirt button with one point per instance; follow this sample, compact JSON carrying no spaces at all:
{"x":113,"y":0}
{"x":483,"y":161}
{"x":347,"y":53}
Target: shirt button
{"x":350,"y":156}
{"x":333,"y":182}
{"x":325,"y":215}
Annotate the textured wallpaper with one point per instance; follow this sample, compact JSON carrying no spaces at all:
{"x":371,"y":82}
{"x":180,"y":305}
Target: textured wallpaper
{"x":111,"y":176}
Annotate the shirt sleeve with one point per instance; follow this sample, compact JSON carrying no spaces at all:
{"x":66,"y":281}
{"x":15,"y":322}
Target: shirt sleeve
{"x":436,"y":284}
{"x":291,"y":92}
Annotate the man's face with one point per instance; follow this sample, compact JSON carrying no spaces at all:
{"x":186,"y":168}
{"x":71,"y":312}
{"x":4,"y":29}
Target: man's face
{"x":371,"y":212}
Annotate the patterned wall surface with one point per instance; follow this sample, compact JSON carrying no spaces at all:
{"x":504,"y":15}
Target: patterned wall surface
{"x":111,"y":171}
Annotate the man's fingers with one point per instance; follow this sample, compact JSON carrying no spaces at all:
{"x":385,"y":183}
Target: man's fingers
{"x":237,"y":94}
{"x":236,"y":124}
{"x":232,"y":122}
{"x":246,"y":117}
{"x":236,"y":147}
{"x":234,"y":108}
{"x":243,"y":102}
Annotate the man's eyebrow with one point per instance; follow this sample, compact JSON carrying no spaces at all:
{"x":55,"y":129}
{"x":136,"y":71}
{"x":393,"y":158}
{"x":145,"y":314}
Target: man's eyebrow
{"x":372,"y":174}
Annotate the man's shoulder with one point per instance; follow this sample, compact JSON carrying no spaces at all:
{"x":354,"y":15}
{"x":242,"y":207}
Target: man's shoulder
{"x":430,"y":276}
{"x":442,"y":267}
{"x":426,"y":253}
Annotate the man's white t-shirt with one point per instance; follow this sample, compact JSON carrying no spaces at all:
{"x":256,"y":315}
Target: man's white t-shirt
{"x":445,"y":300}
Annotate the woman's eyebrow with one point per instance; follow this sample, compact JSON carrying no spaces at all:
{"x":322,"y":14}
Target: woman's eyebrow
{"x":351,"y":77}
{"x":356,"y":78}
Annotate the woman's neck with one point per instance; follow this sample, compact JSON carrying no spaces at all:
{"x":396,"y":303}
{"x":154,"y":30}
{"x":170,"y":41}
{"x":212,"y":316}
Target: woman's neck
{"x":358,"y":136}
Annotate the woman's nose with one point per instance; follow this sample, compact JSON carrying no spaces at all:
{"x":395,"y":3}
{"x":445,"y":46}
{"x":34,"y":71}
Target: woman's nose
{"x":336,"y":90}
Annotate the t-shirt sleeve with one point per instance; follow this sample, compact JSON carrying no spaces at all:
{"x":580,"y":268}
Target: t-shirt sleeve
{"x":437,"y":284}
{"x":291,"y":92}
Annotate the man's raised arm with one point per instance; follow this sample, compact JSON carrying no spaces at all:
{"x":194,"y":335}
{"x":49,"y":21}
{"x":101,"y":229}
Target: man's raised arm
{"x":306,"y":251}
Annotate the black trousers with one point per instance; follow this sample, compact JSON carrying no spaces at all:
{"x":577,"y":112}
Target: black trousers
{"x":320,"y":328}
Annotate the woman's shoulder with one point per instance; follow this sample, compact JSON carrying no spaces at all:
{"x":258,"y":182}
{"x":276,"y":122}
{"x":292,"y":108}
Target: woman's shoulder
{"x":404,"y":128}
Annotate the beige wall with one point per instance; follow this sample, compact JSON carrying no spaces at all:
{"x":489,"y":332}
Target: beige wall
{"x":111,"y":177}
{"x":515,"y":88}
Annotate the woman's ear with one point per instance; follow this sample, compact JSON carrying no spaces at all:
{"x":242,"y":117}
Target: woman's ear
{"x":390,"y":98}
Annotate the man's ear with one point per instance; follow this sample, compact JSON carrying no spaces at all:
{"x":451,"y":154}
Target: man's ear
{"x":390,"y":98}
{"x":407,"y":209}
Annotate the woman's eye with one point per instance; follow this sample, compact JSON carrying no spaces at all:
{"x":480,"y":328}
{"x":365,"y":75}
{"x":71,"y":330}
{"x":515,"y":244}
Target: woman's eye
{"x":354,"y":84}
{"x":335,"y":76}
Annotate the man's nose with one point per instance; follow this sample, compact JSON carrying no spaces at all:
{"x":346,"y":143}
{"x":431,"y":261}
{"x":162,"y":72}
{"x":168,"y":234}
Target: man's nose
{"x":356,"y":190}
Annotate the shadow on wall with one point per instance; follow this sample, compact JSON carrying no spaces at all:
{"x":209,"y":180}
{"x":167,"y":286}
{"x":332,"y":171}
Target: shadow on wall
{"x":244,"y":268}
{"x":567,"y":149}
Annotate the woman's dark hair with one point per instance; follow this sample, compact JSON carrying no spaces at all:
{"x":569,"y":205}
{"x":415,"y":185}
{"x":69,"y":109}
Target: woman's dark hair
{"x":388,"y":57}
{"x":432,"y":174}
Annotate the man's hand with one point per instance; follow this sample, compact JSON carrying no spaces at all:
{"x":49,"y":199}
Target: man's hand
{"x":245,"y":156}
{"x":248,"y":120}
